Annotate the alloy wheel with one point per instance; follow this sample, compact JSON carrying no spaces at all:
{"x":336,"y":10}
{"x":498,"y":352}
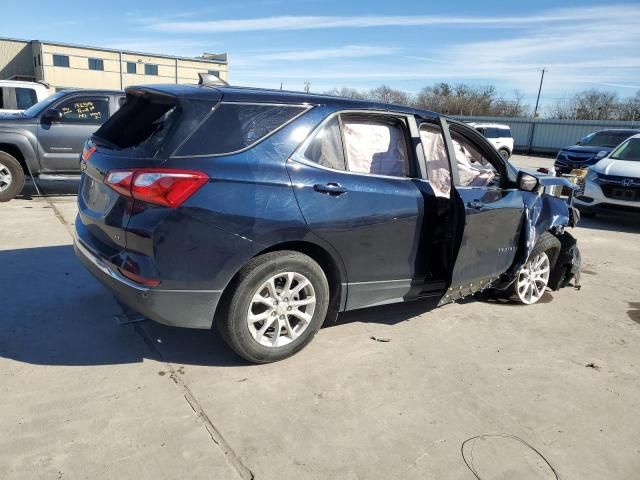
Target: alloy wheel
{"x":281,"y":309}
{"x":533,"y":279}
{"x":5,"y":177}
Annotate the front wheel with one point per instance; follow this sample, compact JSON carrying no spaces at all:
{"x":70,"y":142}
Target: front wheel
{"x":274,"y":306}
{"x":533,"y":277}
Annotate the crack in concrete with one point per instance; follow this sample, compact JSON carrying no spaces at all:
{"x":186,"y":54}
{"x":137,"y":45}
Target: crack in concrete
{"x":230,"y":455}
{"x":216,"y":436}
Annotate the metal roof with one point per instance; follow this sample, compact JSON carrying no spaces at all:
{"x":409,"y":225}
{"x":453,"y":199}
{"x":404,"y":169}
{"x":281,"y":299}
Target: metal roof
{"x":116,"y":50}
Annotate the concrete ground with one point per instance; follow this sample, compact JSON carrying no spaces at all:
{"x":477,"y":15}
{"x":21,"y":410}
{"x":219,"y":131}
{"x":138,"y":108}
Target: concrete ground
{"x":83,"y":397}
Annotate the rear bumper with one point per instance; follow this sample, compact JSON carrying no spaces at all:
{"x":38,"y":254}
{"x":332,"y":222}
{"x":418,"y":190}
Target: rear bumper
{"x":176,"y":308}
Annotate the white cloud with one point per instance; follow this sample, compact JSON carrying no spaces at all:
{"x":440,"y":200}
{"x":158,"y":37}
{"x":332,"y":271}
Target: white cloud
{"x":292,"y":22}
{"x":346,"y":51}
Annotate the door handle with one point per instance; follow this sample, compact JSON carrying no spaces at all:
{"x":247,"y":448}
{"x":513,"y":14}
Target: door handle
{"x":476,"y":204}
{"x":330,"y":188}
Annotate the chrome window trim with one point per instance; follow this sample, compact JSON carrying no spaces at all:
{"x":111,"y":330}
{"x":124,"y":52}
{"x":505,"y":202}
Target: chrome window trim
{"x":305,"y":106}
{"x":297,"y":155}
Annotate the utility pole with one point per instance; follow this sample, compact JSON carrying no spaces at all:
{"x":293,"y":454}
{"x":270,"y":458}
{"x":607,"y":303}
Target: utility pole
{"x":535,"y":111}
{"x":307,"y":86}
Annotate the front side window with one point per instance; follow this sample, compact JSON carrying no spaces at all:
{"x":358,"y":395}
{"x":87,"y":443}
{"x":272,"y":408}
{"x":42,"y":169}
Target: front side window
{"x":151,"y":69}
{"x":435,"y":153}
{"x":474,"y":170}
{"x":25,"y":97}
{"x":236,"y":126}
{"x":376,"y":146}
{"x":85,"y":110}
{"x":59,"y":61}
{"x":325,"y":148}
{"x":96,"y":64}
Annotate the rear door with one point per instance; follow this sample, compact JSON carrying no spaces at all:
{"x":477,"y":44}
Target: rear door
{"x":60,"y":142}
{"x":361,"y":197}
{"x":493,"y":211}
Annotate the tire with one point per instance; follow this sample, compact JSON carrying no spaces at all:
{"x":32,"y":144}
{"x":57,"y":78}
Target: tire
{"x":504,"y":153}
{"x":11,"y":177}
{"x":260,"y":289}
{"x":539,"y":265}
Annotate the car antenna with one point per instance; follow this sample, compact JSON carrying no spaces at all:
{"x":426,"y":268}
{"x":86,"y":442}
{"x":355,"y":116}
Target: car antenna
{"x":211,"y":80}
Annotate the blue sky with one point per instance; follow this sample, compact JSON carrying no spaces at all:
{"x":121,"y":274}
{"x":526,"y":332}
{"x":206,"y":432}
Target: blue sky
{"x":330,"y":43}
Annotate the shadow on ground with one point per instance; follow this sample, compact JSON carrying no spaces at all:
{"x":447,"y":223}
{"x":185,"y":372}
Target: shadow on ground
{"x":626,"y":222}
{"x":56,"y":313}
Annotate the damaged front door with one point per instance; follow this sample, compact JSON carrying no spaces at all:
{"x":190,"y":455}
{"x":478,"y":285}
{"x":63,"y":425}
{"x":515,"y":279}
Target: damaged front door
{"x":491,"y":207}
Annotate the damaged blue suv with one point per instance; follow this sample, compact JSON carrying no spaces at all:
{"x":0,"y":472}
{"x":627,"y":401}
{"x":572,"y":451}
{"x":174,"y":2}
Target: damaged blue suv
{"x":267,"y":212}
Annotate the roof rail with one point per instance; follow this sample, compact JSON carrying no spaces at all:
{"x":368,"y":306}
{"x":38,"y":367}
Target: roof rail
{"x":211,"y":80}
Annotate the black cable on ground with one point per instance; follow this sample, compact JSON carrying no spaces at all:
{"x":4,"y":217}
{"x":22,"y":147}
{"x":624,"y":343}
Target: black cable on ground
{"x":469,"y":464}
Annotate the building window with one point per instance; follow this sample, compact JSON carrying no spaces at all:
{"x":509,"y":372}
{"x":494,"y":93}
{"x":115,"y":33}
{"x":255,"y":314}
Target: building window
{"x":60,"y":61}
{"x":132,"y":67}
{"x":150,"y":69}
{"x":96,"y":64}
{"x":215,"y":72}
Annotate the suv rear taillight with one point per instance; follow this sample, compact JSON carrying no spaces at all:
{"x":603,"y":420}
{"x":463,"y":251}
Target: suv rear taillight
{"x":161,"y":186}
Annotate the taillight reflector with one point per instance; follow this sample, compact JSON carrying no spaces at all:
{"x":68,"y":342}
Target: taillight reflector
{"x":161,"y":186}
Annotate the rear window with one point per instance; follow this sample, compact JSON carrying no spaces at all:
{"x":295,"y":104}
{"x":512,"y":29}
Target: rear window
{"x":497,"y":132}
{"x":236,"y":126}
{"x":142,"y":124}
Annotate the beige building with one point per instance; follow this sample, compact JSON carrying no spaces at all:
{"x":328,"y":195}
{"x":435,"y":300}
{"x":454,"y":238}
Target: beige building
{"x":63,"y":65}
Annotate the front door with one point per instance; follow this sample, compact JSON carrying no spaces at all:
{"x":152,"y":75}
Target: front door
{"x":355,"y":183}
{"x":493,"y":212}
{"x":60,"y":142}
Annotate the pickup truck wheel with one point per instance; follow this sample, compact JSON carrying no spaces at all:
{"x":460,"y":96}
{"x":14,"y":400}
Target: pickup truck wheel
{"x":11,"y":177}
{"x":533,"y":278}
{"x":504,"y":153}
{"x":274,"y":306}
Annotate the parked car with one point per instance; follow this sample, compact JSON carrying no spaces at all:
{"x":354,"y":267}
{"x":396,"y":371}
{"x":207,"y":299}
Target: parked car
{"x":590,"y":149}
{"x":270,"y":211}
{"x":46,"y":140}
{"x":614,"y":182}
{"x":16,"y":96}
{"x":498,"y":135}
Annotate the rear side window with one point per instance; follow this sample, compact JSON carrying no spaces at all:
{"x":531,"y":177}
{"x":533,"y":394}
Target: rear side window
{"x":236,"y":126}
{"x":25,"y":97}
{"x":376,"y":146}
{"x":326,"y":147}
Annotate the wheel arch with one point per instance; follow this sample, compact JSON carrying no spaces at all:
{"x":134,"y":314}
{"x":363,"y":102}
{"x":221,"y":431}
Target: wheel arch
{"x":20,"y":148}
{"x":332,"y":266}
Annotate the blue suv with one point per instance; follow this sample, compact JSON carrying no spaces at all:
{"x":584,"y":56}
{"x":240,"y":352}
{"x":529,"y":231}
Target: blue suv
{"x":267,"y":212}
{"x":591,"y":149}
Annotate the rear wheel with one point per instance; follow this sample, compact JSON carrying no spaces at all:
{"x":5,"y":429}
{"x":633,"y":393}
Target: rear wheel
{"x":504,"y":153}
{"x":274,"y":307}
{"x":11,"y":177}
{"x":533,"y":278}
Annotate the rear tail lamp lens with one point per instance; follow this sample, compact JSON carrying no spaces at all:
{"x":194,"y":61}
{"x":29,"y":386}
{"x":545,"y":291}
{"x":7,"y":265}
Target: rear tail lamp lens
{"x":166,"y":187}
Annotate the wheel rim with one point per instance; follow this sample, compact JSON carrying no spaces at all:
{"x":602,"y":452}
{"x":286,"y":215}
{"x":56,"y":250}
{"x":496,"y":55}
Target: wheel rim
{"x":5,"y":177}
{"x":281,"y":309}
{"x":504,"y":154}
{"x":533,"y":279}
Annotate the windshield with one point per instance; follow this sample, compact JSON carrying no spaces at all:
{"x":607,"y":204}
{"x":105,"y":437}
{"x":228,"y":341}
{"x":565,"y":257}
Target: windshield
{"x":604,"y":139}
{"x":41,"y":106}
{"x":629,"y":150}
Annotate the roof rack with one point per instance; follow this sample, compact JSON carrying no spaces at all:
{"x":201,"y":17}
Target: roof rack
{"x":211,"y":80}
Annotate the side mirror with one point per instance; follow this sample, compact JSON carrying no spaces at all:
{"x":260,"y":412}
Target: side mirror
{"x":52,"y":115}
{"x":527,"y":182}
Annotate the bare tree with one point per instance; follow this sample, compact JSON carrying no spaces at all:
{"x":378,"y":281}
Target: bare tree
{"x":629,"y":108}
{"x":386,"y":94}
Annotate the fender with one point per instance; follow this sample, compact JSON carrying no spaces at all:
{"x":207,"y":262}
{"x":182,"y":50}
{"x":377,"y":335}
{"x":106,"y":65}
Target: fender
{"x":26,"y":143}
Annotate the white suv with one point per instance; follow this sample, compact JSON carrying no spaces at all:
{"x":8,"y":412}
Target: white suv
{"x":614,"y":182}
{"x":17,"y":96}
{"x":498,"y":135}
